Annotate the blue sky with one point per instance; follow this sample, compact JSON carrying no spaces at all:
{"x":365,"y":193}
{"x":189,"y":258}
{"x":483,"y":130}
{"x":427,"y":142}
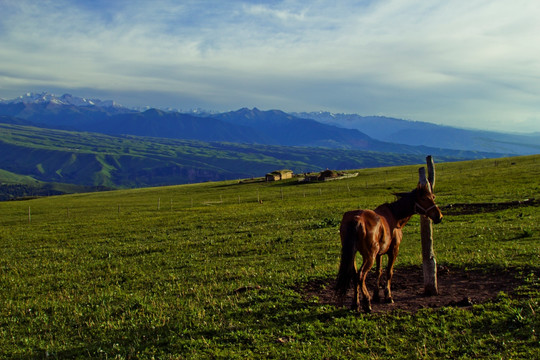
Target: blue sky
{"x":466,"y":63}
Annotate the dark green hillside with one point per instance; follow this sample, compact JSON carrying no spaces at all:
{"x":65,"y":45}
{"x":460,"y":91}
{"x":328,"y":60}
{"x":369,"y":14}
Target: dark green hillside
{"x":14,"y":186}
{"x":100,"y":160}
{"x":91,"y":159}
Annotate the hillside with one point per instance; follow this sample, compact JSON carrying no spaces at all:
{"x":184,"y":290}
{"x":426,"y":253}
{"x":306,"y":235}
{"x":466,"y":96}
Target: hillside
{"x":91,"y":159}
{"x":15,"y":186}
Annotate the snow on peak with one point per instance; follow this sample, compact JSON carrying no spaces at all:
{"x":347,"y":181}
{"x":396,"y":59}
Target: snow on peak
{"x":66,"y":99}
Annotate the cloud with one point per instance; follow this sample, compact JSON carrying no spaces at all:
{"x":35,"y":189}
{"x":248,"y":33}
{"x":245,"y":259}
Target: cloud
{"x":453,"y":62}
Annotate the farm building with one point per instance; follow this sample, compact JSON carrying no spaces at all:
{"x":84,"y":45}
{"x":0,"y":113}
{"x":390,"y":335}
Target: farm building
{"x":326,"y":175}
{"x":279,"y":175}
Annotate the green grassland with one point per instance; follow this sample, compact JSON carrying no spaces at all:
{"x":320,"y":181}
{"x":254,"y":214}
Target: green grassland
{"x":213,"y":270}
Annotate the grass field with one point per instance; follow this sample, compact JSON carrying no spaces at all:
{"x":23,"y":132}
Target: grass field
{"x":213,"y":270}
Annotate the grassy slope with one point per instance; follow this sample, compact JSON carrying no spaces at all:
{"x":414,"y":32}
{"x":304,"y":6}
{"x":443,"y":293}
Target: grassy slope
{"x":100,"y":160}
{"x":11,"y":178}
{"x":153,"y":272}
{"x":15,"y":186}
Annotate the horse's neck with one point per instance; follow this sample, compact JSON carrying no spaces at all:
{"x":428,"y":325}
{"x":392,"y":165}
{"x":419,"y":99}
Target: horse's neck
{"x":402,"y":222}
{"x":401,"y":211}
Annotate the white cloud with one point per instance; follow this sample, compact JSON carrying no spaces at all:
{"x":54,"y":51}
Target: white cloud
{"x":284,"y":15}
{"x":454,"y":62}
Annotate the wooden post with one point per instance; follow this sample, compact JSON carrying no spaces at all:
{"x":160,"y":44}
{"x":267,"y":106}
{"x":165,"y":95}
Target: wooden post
{"x":429,"y":264}
{"x":431,"y":172}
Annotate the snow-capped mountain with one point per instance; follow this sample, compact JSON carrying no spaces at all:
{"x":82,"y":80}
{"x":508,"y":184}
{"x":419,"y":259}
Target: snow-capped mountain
{"x":66,"y":99}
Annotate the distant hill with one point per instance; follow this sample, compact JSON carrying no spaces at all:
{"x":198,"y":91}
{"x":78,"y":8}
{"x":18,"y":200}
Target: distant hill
{"x":15,"y":186}
{"x":60,"y":116}
{"x":432,"y":135}
{"x":40,"y":155}
{"x":279,"y":128}
{"x":174,"y":125}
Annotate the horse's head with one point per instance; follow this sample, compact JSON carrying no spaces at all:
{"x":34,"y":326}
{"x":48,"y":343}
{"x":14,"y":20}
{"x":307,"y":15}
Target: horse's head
{"x":425,"y":203}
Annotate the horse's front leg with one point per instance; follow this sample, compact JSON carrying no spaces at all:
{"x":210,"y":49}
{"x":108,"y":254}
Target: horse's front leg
{"x":392,"y":255}
{"x":355,"y":306}
{"x":376,"y":291}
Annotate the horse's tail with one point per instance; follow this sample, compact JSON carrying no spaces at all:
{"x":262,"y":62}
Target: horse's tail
{"x":347,"y":268}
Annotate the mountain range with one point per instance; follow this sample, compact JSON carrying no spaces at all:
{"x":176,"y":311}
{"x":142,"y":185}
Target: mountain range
{"x":273,"y":127}
{"x":94,"y":143}
{"x":428,"y":134}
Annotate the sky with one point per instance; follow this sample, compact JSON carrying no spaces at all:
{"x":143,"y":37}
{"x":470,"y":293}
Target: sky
{"x":463,"y":63}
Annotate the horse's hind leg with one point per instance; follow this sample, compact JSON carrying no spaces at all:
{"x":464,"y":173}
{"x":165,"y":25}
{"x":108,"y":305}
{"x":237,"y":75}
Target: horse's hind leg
{"x":376,"y":291}
{"x":356,"y":288}
{"x":364,"y":270}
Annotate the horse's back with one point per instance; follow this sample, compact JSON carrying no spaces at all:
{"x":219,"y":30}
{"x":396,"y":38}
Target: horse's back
{"x":368,"y":217}
{"x":367,"y":228}
{"x":363,"y":221}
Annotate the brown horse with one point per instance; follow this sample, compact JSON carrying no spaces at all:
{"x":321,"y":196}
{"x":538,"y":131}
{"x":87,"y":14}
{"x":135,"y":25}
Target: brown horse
{"x":375,"y":233}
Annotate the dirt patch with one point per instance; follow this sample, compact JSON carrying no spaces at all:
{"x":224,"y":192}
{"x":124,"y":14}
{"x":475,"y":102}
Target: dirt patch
{"x":457,"y":287}
{"x":474,"y":208}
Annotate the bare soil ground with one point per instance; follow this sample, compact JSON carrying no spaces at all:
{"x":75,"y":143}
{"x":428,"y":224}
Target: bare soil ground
{"x":457,"y":287}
